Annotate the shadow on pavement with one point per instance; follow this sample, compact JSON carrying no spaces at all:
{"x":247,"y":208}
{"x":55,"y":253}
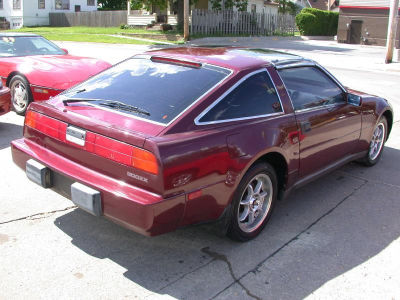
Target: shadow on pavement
{"x":8,"y":133}
{"x":324,"y":230}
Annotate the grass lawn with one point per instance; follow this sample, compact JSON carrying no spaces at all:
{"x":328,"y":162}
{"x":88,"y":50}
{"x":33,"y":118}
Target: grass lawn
{"x":92,"y":38}
{"x":83,"y":29}
{"x":89,"y":34}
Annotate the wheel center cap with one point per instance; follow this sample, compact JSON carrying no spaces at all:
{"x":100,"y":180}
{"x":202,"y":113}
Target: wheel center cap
{"x":255,"y":203}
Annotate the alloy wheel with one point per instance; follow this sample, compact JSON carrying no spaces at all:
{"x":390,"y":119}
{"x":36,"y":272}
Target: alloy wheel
{"x":255,"y":203}
{"x":20,"y":97}
{"x":377,"y":141}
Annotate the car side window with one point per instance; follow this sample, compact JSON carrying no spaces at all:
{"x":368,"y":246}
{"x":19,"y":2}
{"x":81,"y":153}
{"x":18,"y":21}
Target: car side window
{"x":310,"y":87}
{"x":255,"y":96}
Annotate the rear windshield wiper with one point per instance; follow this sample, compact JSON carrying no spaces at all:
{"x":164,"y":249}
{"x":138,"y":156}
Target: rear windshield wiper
{"x":110,"y":103}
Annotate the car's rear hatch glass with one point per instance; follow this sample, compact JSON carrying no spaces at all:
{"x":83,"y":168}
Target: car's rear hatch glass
{"x":160,"y":89}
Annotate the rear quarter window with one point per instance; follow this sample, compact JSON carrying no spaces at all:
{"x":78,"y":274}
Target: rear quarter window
{"x":254,"y":96}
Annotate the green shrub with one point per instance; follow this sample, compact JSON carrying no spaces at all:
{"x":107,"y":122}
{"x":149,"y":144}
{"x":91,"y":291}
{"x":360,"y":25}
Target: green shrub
{"x":323,"y":23}
{"x":307,"y":23}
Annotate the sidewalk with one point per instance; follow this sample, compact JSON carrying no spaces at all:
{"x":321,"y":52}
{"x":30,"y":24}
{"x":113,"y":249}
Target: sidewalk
{"x":354,"y":57}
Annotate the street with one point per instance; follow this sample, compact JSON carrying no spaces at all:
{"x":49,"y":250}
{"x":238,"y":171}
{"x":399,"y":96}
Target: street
{"x":336,"y":238}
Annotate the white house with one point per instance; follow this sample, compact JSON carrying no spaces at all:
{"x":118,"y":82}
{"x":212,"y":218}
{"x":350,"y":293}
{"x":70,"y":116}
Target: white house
{"x":258,"y":6}
{"x":157,"y":15}
{"x":36,"y":12}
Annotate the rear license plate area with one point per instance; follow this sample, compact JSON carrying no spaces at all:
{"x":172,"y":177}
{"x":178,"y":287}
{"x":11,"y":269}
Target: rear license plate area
{"x":76,"y":135}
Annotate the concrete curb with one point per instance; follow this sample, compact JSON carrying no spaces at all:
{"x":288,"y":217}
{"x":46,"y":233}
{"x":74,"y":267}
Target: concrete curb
{"x":317,"y":38}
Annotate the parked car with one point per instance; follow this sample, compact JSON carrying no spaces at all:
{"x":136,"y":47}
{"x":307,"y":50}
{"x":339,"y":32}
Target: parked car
{"x":35,"y":69}
{"x":5,"y":99}
{"x":181,"y":136}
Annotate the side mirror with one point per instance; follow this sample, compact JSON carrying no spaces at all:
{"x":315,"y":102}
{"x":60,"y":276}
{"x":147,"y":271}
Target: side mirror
{"x":65,"y":50}
{"x":354,"y":99}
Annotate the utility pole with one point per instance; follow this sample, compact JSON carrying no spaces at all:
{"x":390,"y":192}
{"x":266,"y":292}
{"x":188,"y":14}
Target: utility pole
{"x":186,"y":20}
{"x":392,"y":25}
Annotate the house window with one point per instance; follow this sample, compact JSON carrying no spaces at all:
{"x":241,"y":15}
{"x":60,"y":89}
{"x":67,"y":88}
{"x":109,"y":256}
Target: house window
{"x":41,"y":4}
{"x":62,"y":4}
{"x":16,"y":4}
{"x":1,"y":4}
{"x":90,"y":2}
{"x":253,"y":8}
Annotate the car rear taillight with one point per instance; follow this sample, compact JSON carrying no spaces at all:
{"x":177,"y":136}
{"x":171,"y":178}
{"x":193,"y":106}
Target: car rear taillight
{"x":95,"y":143}
{"x":48,"y":126}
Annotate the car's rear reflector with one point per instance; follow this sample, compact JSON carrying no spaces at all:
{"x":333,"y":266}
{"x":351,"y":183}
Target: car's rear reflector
{"x":195,"y":194}
{"x":95,"y":143}
{"x":174,"y":61}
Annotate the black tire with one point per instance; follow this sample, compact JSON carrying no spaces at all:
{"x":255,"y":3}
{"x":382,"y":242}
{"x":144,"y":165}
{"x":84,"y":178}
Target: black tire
{"x":21,"y":94}
{"x":239,"y":229}
{"x":371,"y":158}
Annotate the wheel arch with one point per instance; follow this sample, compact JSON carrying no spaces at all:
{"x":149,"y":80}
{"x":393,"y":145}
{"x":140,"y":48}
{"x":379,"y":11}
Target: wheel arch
{"x":12,"y":74}
{"x":389,"y":118}
{"x":279,"y":163}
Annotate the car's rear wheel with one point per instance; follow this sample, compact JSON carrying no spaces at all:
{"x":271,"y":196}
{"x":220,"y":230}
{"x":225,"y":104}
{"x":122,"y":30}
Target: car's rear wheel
{"x":21,"y":94}
{"x":253,"y":202}
{"x":377,"y":142}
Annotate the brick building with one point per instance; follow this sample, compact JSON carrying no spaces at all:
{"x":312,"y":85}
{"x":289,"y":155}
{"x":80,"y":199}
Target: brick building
{"x":365,"y":22}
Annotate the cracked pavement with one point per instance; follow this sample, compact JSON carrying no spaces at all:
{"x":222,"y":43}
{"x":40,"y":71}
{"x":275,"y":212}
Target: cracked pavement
{"x":336,"y":238}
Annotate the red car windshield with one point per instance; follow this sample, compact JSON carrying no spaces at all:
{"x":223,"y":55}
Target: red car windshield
{"x":26,"y":46}
{"x":156,"y":91}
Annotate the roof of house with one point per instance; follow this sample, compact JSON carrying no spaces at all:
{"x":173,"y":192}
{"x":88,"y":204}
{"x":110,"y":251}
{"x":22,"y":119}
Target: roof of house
{"x":365,"y":3}
{"x":270,"y":3}
{"x":234,"y":58}
{"x":319,"y":4}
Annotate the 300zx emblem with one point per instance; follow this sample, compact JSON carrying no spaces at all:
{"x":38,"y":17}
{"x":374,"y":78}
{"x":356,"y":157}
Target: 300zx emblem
{"x":138,"y":177}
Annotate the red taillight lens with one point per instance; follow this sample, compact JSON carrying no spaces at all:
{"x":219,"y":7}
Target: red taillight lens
{"x":113,"y":150}
{"x":46,"y":125}
{"x":95,"y":143}
{"x":30,"y":119}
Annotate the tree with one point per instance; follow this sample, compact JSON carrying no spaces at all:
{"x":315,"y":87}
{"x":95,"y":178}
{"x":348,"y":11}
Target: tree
{"x":112,"y":4}
{"x":287,"y":6}
{"x":147,"y":4}
{"x":241,"y":5}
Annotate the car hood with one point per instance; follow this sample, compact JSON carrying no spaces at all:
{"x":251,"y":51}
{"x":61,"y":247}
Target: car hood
{"x":58,"y":71}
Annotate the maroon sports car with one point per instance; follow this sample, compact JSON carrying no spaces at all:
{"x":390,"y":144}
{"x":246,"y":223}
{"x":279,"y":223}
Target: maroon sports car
{"x":180,"y":136}
{"x":35,"y":69}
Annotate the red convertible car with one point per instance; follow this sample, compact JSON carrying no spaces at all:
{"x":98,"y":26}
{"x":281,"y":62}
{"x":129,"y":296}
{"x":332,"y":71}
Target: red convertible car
{"x":5,"y":99}
{"x":181,"y":136}
{"x":35,"y":69}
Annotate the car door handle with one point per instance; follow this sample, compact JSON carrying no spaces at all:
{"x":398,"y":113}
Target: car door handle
{"x":305,"y":126}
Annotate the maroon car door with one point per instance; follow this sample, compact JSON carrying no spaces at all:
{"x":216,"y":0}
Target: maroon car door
{"x":329,"y":126}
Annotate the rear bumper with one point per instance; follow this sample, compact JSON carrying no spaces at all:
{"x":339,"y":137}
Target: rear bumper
{"x":127,"y":205}
{"x":5,"y":101}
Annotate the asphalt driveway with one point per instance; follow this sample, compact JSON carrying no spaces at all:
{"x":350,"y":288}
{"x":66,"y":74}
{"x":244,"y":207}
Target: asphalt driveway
{"x":338,"y":237}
